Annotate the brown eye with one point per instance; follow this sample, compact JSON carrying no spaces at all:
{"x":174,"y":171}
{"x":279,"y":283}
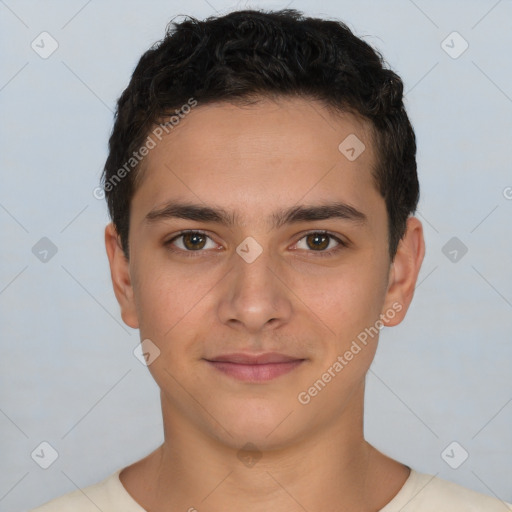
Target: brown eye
{"x":318,"y":241}
{"x":190,"y":241}
{"x":194,"y":241}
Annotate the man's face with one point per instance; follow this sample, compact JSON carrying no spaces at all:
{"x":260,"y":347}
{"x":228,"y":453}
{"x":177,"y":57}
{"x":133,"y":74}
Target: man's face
{"x":253,"y":287}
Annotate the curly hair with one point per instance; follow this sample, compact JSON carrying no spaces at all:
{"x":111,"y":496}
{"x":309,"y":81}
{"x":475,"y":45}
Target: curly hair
{"x":250,"y":54}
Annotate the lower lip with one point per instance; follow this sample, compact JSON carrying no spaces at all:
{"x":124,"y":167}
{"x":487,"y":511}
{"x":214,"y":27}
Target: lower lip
{"x":255,"y":372}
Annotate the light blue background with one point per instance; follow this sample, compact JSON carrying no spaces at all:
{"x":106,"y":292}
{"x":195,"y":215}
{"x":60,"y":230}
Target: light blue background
{"x":69,"y":376}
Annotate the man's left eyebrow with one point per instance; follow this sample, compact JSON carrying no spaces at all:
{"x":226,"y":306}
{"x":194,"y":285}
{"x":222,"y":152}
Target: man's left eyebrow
{"x":295,"y":214}
{"x":335,"y":210}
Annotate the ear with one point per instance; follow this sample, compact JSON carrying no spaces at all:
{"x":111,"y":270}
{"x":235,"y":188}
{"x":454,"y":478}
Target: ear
{"x":121,"y":278}
{"x":404,"y":273}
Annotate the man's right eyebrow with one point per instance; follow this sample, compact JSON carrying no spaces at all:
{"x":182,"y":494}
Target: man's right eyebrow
{"x":190,"y":211}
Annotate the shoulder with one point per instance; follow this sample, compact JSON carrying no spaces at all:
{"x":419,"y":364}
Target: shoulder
{"x":428,"y":493}
{"x":108,"y":495}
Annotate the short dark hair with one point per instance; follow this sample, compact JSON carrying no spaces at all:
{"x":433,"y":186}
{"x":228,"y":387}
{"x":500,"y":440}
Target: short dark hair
{"x":250,"y":54}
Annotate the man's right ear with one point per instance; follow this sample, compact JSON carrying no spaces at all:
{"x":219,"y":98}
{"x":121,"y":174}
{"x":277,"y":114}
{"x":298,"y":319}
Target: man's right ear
{"x":121,"y":278}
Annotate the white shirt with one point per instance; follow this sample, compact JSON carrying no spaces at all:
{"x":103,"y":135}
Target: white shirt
{"x":420,"y":493}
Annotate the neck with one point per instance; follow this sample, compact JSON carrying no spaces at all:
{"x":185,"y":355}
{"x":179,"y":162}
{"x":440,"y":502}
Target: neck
{"x":192,"y":470}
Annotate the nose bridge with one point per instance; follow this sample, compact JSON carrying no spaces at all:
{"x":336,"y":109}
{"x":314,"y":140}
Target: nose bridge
{"x":254,"y":293}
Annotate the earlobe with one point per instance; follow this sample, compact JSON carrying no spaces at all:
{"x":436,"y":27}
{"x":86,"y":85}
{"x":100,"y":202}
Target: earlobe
{"x":121,"y":278}
{"x":404,"y":273}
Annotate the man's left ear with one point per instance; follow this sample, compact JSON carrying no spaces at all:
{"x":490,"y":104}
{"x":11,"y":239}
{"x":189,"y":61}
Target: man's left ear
{"x":404,"y":273}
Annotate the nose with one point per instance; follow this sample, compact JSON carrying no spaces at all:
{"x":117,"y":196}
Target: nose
{"x":254,"y":295}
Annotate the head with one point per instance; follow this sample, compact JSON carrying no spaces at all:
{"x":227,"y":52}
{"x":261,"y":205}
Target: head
{"x":287,"y":135}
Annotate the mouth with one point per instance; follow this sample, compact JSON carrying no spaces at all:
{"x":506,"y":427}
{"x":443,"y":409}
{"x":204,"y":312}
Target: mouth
{"x":255,"y":368}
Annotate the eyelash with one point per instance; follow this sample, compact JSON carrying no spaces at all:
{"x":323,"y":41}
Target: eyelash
{"x":193,"y":254}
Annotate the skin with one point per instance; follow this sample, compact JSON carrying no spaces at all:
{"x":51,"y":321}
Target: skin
{"x":254,"y":160}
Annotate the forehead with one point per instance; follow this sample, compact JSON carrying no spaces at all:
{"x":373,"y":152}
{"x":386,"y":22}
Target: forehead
{"x":272,"y":152}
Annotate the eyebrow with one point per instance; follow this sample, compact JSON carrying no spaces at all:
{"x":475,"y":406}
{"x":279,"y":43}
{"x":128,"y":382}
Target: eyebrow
{"x":303,"y":213}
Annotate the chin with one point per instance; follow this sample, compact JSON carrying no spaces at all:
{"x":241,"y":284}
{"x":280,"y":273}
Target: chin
{"x":265,"y":427}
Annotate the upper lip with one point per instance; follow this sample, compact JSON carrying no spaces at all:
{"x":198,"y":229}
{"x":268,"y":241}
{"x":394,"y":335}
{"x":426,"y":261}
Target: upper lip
{"x":247,"y":358}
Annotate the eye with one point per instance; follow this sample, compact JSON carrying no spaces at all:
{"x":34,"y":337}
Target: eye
{"x":191,"y":241}
{"x":320,"y":241}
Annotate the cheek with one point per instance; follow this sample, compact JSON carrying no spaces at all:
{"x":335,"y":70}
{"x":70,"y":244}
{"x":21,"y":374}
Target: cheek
{"x":346,"y":300}
{"x":171,"y":301}
{"x":163,"y":301}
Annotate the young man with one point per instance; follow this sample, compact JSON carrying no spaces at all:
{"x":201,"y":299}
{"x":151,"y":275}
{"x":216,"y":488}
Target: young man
{"x":261,"y":182}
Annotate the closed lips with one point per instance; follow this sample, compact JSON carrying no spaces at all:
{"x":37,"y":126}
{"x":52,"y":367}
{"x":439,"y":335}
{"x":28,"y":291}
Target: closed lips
{"x":251,"y":359}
